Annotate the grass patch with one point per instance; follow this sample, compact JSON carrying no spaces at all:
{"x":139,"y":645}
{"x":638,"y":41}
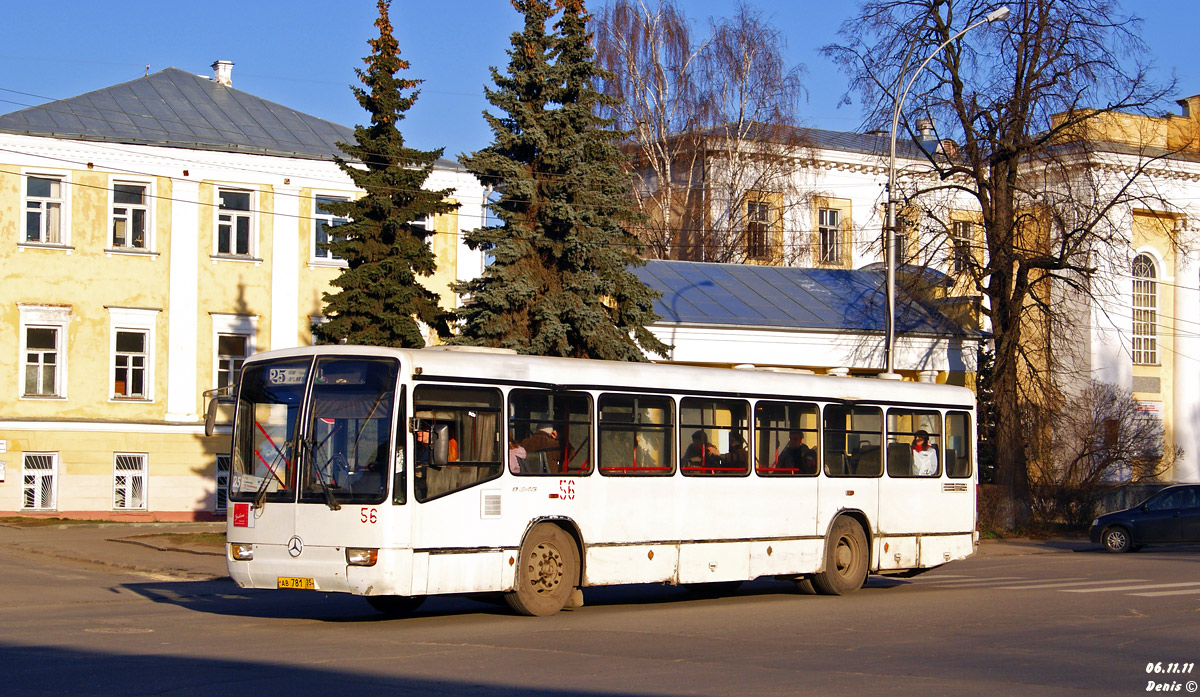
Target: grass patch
{"x":23,"y":522}
{"x":187,"y":540}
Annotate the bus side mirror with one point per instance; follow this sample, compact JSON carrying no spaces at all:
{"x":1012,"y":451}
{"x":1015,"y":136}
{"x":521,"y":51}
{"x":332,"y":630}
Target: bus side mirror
{"x":210,"y":417}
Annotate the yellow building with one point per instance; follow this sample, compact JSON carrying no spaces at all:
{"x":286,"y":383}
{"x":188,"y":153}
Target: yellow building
{"x":157,"y":233}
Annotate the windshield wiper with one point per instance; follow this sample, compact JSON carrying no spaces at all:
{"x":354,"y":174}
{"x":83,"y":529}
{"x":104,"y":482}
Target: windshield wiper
{"x":326,"y":491}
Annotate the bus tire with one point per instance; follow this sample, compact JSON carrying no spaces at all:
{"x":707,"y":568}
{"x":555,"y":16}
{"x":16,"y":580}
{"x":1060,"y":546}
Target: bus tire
{"x":395,"y":605}
{"x":845,"y":559}
{"x":547,"y":567}
{"x":804,"y":584}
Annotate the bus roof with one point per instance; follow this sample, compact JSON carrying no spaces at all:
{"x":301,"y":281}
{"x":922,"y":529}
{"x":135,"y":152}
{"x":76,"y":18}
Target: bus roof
{"x":464,"y":364}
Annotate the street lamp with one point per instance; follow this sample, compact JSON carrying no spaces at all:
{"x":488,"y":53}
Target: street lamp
{"x":889,"y":252}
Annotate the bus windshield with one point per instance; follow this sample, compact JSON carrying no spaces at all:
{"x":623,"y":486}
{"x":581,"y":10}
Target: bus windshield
{"x":264,"y":457}
{"x":349,"y":430}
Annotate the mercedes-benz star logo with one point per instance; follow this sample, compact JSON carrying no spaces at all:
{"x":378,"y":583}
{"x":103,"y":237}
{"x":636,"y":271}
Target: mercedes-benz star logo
{"x":295,"y":546}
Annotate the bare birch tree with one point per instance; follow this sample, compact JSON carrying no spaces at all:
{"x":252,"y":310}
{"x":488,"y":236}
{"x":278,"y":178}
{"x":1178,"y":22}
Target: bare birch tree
{"x":712,"y":126}
{"x":1015,"y":99}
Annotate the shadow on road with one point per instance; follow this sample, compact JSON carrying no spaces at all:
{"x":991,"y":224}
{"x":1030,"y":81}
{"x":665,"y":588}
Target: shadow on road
{"x":223,"y":597}
{"x":48,"y":670}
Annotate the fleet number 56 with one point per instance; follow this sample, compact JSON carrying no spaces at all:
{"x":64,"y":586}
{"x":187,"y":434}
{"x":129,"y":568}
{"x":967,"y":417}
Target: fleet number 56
{"x":368,"y":515}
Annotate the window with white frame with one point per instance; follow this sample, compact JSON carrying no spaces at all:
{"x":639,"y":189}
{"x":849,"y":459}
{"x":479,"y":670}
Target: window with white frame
{"x":829,"y":236}
{"x":323,"y":223}
{"x":235,"y":230}
{"x":43,"y":350}
{"x":130,"y":216}
{"x":39,"y":481}
{"x":131,"y":345}
{"x":1145,"y":311}
{"x":129,"y":481}
{"x":129,"y":364}
{"x":233,"y":343}
{"x":44,"y":209}
{"x":221,"y":502}
{"x":232,"y":350}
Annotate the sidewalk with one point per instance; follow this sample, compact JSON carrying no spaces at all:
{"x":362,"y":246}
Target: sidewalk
{"x":147,"y":548}
{"x":140,"y":547}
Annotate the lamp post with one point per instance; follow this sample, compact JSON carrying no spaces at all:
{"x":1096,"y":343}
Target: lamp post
{"x":889,"y":252}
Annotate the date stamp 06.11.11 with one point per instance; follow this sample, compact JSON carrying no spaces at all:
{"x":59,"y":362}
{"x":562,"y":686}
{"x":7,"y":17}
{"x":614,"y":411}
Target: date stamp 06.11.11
{"x":1170,"y":677}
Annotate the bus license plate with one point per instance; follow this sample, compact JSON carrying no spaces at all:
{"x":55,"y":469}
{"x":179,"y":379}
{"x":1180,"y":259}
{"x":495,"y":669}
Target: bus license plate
{"x":304,"y":584}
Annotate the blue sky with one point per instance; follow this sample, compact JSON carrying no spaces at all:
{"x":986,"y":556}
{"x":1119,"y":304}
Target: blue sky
{"x":302,"y":53}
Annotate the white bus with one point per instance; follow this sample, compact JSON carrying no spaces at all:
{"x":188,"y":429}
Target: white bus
{"x":399,"y":474}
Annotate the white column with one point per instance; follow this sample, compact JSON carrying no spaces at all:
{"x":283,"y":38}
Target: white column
{"x":285,"y":268}
{"x":1186,"y":387}
{"x":182,"y":303}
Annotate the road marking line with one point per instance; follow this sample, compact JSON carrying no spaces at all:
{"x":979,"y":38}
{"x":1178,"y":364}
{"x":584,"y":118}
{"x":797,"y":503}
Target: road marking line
{"x":1131,"y":588}
{"x":975,"y":579}
{"x":1072,"y":582}
{"x":1157,"y":594}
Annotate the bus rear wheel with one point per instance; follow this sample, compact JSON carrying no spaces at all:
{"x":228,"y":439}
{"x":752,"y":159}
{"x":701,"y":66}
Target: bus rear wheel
{"x":845,"y":559}
{"x":395,"y":605}
{"x":547,"y":567}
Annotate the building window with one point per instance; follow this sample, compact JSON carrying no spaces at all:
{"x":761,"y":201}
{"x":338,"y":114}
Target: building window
{"x":962,"y":238}
{"x":759,"y":228}
{"x":41,"y":361}
{"x":39,"y":481}
{"x":129,"y":482}
{"x":43,"y":340}
{"x":1145,"y":312}
{"x":322,"y":222}
{"x":43,"y":210}
{"x":829,"y":236}
{"x":232,"y":350}
{"x":221,"y":502}
{"x":234,"y":229}
{"x":129,"y":365}
{"x":129,"y":216}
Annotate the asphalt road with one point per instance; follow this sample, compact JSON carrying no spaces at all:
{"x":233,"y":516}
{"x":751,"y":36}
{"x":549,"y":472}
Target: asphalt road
{"x":1049,"y":623}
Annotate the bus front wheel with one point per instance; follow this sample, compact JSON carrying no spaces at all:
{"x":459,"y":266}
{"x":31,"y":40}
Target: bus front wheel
{"x":547,"y":567}
{"x":845,"y":559}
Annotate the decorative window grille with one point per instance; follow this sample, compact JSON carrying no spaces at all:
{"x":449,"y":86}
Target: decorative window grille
{"x":829,"y":236}
{"x":129,"y":482}
{"x":39,"y":481}
{"x":1145,"y":311}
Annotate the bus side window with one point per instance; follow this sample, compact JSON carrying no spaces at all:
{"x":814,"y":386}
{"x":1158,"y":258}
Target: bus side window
{"x":851,"y":437}
{"x":914,"y":443}
{"x":713,"y":436}
{"x":553,"y":428}
{"x":958,"y":445}
{"x":786,"y":439}
{"x":636,"y":435}
{"x":457,"y":439}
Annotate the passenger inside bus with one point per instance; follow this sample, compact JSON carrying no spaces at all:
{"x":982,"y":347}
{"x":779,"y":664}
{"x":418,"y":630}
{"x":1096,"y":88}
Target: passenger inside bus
{"x":924,"y":456}
{"x":738,"y":456}
{"x":701,"y":454}
{"x":516,"y":455}
{"x":543,"y":451}
{"x":796,"y":455}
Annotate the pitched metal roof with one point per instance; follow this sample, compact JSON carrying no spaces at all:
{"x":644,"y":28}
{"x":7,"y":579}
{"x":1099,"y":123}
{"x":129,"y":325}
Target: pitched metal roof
{"x":823,"y":300}
{"x":176,"y":108}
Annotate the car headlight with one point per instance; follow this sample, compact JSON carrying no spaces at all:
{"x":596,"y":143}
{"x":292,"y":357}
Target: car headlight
{"x":241,"y":552}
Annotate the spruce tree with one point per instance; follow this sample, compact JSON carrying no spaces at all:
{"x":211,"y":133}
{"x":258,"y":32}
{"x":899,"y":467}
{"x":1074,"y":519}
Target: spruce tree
{"x":384,"y":245}
{"x":561,"y":282}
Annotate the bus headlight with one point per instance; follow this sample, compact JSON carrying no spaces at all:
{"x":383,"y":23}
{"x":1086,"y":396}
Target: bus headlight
{"x":361,"y":556}
{"x":241,"y":552}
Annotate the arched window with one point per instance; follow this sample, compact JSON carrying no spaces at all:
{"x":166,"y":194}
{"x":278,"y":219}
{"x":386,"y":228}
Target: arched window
{"x":1145,"y":312}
